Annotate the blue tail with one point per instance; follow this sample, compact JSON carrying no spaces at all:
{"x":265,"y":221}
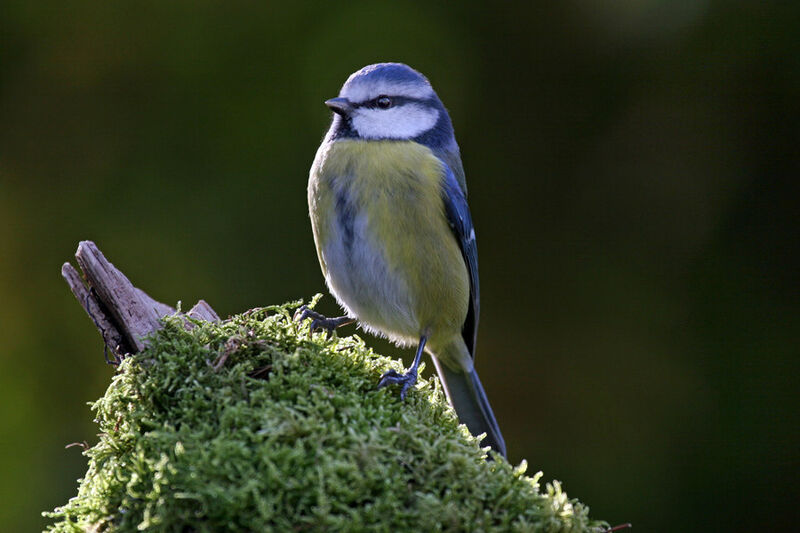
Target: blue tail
{"x":466,"y":395}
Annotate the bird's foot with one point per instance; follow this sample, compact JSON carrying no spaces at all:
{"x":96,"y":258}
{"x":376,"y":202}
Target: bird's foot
{"x":392,"y":377}
{"x":320,"y":321}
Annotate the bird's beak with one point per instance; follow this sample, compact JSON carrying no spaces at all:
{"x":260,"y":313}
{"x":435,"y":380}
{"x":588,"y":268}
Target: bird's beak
{"x":339,"y":105}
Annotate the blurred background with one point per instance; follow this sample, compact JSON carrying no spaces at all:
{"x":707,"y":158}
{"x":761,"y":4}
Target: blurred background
{"x":631,"y":170}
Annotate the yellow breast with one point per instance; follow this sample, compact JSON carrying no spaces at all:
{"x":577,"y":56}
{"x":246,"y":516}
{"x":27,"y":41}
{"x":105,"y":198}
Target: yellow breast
{"x":383,"y":239}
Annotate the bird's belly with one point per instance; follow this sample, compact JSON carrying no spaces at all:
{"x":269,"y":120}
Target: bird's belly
{"x":368,"y":287}
{"x":388,"y":253}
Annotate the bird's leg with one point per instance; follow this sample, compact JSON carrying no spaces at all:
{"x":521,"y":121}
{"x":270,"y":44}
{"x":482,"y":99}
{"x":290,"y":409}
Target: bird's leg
{"x":409,"y":378}
{"x":320,"y":321}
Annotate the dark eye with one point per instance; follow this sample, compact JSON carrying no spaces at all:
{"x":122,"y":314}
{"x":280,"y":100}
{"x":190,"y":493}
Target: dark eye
{"x":384,"y":102}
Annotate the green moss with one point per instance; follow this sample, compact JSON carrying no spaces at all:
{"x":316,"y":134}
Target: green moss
{"x":290,"y":433}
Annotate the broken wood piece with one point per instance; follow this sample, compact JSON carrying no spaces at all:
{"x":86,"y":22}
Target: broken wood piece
{"x":203,"y":311}
{"x":124,"y":314}
{"x":108,"y":329}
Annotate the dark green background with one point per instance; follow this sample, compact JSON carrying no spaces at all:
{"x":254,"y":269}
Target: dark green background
{"x":631,"y":169}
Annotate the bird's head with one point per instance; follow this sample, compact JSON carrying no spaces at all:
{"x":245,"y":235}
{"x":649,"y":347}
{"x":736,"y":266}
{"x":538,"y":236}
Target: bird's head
{"x":390,"y":101}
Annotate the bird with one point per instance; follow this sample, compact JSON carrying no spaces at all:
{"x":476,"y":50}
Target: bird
{"x":394,"y":236}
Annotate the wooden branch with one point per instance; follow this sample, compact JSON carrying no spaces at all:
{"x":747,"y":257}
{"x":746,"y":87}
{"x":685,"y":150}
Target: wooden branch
{"x":203,"y":311}
{"x":124,"y":314}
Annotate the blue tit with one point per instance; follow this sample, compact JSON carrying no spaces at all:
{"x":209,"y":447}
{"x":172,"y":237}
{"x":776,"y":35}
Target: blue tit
{"x":394,"y":235}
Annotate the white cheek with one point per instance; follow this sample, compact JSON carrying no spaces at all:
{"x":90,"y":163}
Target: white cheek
{"x":403,"y":122}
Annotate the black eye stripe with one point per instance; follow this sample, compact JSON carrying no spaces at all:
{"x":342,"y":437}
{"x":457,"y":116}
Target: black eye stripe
{"x":396,"y":101}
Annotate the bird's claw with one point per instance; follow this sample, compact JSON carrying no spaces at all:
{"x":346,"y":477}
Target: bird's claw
{"x":392,"y":377}
{"x":320,"y":321}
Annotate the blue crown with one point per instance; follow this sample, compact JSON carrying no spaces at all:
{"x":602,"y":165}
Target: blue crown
{"x":394,"y":72}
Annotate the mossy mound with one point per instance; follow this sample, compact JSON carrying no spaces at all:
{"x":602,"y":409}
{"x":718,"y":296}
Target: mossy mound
{"x":289,"y":433}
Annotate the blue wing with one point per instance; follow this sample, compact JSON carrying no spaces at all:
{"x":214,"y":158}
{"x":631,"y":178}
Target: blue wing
{"x":460,"y":220}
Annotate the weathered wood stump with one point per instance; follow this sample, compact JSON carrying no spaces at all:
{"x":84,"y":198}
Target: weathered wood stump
{"x":125,"y":315}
